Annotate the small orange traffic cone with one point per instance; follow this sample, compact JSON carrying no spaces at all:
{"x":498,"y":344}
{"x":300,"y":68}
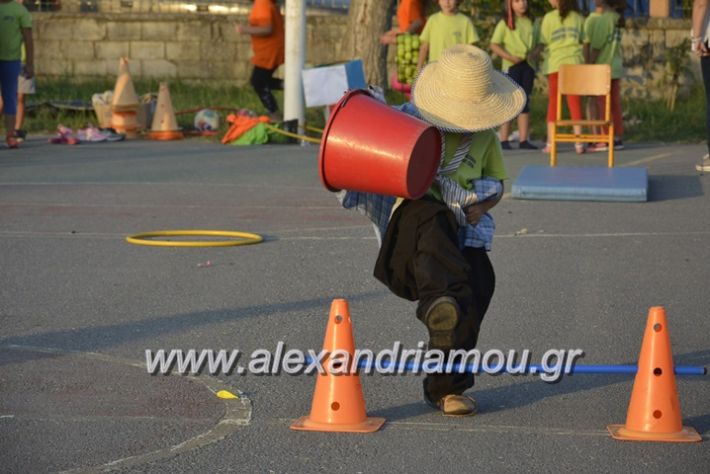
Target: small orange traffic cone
{"x":124,"y":106}
{"x":338,"y":403}
{"x":164,"y":125}
{"x":654,"y":409}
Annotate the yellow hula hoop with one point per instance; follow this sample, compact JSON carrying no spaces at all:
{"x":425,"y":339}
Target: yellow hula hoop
{"x":144,"y":238}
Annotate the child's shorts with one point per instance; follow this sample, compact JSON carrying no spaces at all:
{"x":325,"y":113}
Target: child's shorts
{"x":25,"y":86}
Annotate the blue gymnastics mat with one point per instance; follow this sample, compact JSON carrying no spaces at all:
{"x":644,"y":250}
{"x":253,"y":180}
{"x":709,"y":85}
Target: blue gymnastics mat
{"x":581,"y":184}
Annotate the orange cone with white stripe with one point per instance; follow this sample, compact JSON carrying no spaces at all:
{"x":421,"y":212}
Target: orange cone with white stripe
{"x":164,"y":125}
{"x":654,"y":409}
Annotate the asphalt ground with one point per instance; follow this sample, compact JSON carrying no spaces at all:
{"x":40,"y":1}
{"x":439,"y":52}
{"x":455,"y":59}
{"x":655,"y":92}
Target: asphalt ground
{"x":79,"y":307}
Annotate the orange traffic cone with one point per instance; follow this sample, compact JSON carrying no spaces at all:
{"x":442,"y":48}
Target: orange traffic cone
{"x":654,"y":409}
{"x":164,"y":125}
{"x":124,"y":106}
{"x":338,"y":404}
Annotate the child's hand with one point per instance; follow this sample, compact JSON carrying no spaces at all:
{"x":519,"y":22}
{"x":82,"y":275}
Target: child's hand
{"x":516,"y":59}
{"x":474,"y":212}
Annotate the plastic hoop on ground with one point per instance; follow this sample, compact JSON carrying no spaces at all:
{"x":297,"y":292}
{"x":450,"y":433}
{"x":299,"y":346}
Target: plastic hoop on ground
{"x":145,"y":238}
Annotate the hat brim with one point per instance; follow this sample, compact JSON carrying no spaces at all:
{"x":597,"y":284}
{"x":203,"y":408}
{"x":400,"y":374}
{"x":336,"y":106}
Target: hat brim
{"x":505,"y":102}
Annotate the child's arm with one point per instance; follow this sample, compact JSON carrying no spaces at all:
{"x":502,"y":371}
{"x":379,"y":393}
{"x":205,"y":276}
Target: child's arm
{"x":499,"y":51}
{"x":593,"y":54}
{"x":414,"y":26}
{"x":29,"y":69}
{"x":423,"y":54}
{"x":244,"y":29}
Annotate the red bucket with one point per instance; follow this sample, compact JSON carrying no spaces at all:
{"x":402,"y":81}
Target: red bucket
{"x":371,"y":147}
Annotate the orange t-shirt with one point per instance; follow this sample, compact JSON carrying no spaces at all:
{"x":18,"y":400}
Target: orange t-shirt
{"x":268,"y":50}
{"x":407,"y":12}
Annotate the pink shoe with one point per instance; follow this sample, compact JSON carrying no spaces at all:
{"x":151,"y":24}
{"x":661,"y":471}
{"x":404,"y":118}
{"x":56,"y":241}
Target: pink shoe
{"x":546,"y":149}
{"x":599,"y":147}
{"x":580,"y":148}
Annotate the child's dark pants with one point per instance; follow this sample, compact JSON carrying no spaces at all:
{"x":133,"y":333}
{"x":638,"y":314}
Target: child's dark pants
{"x":420,"y":259}
{"x":263,"y":82}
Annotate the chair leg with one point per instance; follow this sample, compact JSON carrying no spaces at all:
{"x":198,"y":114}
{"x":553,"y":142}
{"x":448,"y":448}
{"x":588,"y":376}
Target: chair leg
{"x":553,"y":153}
{"x":611,"y":146}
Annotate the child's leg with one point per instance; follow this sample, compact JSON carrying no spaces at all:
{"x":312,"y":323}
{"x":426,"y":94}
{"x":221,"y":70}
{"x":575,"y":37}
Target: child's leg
{"x":9,"y":70}
{"x":616,"y":108}
{"x":20,"y":118}
{"x":574,"y":103}
{"x":420,"y":260}
{"x":505,"y":132}
{"x":524,"y":126}
{"x":260,"y":81}
{"x":526,"y":81}
{"x":594,"y":111}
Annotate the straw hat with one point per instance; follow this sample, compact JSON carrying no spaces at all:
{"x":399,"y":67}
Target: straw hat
{"x":463,"y":93}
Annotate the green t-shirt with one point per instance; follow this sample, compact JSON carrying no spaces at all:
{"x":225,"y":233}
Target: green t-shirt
{"x":518,"y":42}
{"x":13,"y":17}
{"x":602,"y":33}
{"x":563,"y":39}
{"x":443,"y":31}
{"x":484,"y":158}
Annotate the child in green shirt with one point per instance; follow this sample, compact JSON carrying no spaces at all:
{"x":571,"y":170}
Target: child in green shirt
{"x":602,"y":45}
{"x":514,"y":39}
{"x":15,"y":28}
{"x":561,"y":34}
{"x":444,"y":29}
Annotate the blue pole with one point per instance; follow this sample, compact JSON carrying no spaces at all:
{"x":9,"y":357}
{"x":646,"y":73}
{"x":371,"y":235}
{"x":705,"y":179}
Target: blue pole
{"x":539,"y":369}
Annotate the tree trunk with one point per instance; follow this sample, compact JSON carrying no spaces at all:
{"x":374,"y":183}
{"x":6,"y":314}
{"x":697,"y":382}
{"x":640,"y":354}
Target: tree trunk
{"x":367,"y":20}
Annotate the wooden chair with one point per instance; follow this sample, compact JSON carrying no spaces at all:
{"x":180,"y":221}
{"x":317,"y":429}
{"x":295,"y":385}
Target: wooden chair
{"x":590,"y":80}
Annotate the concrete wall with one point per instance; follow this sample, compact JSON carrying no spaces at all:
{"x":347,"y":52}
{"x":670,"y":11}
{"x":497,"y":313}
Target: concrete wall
{"x":179,"y":46}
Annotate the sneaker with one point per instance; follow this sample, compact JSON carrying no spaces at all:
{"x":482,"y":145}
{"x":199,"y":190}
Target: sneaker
{"x":547,"y":149}
{"x":20,"y":135}
{"x":457,"y":405}
{"x":580,"y":148}
{"x":598,"y":147}
{"x":441,"y":318}
{"x":704,"y":164}
{"x":506,"y":145}
{"x":526,"y":145}
{"x":11,"y":140}
{"x":618,"y":145}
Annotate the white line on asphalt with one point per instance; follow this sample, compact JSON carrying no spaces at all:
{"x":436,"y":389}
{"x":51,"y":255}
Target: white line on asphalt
{"x":647,"y":160}
{"x":6,"y":416}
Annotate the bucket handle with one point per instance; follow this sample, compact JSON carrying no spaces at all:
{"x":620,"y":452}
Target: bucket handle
{"x":347,"y":98}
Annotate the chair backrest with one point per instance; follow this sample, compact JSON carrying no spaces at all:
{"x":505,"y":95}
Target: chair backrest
{"x":584,"y":79}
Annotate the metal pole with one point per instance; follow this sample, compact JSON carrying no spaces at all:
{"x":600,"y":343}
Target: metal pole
{"x":294,"y":108}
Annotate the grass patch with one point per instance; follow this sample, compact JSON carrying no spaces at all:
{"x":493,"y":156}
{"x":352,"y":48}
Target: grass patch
{"x":645,"y":120}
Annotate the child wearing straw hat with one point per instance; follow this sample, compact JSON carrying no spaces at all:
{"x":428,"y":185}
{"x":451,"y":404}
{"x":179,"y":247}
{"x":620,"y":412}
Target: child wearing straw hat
{"x":434,"y":249}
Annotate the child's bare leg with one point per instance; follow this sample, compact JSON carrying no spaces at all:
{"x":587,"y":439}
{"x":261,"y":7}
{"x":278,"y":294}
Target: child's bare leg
{"x":524,"y":126}
{"x":505,"y":132}
{"x":20,"y":117}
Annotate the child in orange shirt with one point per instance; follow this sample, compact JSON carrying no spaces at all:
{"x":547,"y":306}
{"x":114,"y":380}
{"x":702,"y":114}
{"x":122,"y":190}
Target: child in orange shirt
{"x":266,"y":27}
{"x":410,"y":19}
